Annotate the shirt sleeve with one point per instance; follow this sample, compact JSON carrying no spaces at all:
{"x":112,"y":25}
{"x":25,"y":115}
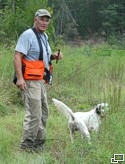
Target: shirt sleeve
{"x":23,"y":44}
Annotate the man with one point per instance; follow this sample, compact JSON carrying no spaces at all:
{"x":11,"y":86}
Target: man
{"x":33,"y":90}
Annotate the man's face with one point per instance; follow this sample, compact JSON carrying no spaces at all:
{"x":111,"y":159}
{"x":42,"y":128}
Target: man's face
{"x":41,"y":23}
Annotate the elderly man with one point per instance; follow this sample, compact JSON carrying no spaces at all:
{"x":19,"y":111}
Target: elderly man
{"x":32,"y":63}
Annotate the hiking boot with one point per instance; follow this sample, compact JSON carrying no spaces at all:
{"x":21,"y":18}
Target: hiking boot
{"x":38,"y":149}
{"x":38,"y":145}
{"x":26,"y":146}
{"x":26,"y":149}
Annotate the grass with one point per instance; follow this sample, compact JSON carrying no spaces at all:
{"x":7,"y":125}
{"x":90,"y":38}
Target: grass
{"x":86,"y":76}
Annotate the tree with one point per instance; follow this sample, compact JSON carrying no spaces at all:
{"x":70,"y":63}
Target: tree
{"x":90,"y":17}
{"x":64,"y":22}
{"x":18,"y":15}
{"x":113,"y":19}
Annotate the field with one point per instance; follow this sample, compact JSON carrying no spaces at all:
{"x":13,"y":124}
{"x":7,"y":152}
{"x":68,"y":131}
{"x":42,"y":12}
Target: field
{"x":86,"y":76}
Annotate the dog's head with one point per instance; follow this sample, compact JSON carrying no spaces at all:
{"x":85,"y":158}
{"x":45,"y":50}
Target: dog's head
{"x":101,"y":109}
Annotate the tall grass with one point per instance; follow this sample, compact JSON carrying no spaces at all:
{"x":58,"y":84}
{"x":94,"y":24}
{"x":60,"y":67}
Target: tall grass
{"x":86,"y":76}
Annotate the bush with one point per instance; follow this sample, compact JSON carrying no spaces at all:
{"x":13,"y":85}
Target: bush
{"x":13,"y":23}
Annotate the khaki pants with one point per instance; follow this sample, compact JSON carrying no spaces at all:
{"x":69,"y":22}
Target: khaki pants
{"x":36,"y":113}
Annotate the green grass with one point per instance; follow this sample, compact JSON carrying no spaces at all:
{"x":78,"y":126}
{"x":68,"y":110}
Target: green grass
{"x":86,"y":76}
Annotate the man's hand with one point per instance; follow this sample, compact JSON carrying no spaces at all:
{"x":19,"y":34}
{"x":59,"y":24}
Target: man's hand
{"x":58,"y":55}
{"x":18,"y":69}
{"x":21,"y":84}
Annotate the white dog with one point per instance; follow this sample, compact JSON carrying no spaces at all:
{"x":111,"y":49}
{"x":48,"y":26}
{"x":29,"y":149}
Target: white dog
{"x":85,"y":122}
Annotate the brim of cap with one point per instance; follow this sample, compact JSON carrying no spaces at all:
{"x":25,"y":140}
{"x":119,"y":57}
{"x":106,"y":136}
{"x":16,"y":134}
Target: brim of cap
{"x":42,"y":15}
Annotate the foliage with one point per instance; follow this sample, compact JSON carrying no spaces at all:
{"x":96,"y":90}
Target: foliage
{"x":64,"y":23}
{"x":113,"y":21}
{"x":15,"y":21}
{"x":71,"y":19}
{"x":86,"y":18}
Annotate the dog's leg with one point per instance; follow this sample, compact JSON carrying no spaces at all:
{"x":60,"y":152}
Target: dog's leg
{"x":88,"y":137}
{"x":84,"y":131}
{"x":70,"y":126}
{"x":71,"y":135}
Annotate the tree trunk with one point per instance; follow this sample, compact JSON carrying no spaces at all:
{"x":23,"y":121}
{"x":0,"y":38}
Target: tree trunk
{"x":13,"y":6}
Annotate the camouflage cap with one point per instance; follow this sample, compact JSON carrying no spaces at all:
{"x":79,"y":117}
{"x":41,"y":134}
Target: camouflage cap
{"x":42,"y":12}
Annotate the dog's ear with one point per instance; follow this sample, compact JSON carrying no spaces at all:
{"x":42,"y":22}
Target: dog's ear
{"x":98,"y":109}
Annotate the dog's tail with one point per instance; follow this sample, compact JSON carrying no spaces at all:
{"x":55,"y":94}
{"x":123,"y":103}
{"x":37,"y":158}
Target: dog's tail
{"x":63,"y":108}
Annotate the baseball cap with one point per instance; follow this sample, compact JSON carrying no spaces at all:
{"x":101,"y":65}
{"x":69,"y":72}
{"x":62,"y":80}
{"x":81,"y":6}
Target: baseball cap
{"x":42,"y":12}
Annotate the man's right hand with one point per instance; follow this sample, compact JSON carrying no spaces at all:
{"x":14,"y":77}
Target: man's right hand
{"x":21,"y":84}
